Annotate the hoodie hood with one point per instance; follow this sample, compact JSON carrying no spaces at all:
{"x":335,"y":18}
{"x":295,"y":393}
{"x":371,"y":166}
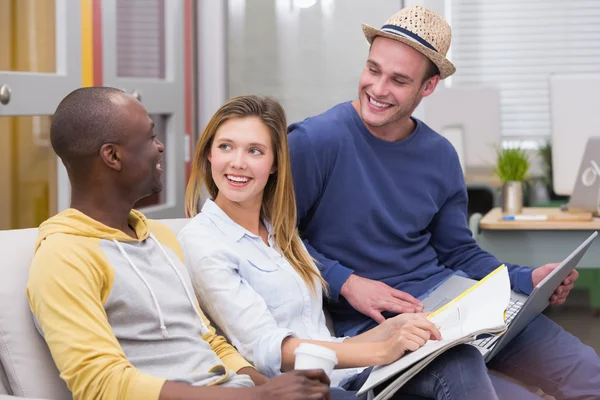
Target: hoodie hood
{"x":74,"y":222}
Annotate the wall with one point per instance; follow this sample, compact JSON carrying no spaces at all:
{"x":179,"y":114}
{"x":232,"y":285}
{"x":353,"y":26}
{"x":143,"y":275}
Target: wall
{"x":308,"y":58}
{"x":212,"y":58}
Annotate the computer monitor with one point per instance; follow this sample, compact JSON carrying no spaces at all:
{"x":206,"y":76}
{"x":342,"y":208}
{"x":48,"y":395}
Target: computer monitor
{"x":469,"y":117}
{"x":575,"y":116}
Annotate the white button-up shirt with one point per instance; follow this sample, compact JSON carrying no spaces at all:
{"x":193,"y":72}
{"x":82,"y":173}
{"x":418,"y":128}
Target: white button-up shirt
{"x":251,"y":291}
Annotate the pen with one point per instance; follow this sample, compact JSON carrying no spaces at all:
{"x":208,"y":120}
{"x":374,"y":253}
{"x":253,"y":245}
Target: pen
{"x":525,"y":217}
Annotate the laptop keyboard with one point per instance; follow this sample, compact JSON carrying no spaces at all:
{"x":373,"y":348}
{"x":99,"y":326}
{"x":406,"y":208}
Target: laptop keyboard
{"x":489,"y":341}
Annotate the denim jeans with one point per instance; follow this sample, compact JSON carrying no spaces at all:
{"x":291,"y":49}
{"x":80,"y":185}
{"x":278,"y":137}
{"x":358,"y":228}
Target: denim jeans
{"x":543,"y":355}
{"x":546,"y":356}
{"x":458,"y":374}
{"x":341,"y":394}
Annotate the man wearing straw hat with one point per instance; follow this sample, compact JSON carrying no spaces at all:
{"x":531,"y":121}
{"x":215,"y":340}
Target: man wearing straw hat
{"x":382,"y":206}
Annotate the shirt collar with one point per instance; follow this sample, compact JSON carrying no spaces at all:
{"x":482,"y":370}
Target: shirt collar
{"x":230,"y":228}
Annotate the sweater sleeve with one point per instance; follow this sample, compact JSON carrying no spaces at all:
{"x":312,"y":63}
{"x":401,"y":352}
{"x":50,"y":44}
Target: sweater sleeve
{"x":67,"y":288}
{"x":310,"y":178}
{"x":454,"y":242}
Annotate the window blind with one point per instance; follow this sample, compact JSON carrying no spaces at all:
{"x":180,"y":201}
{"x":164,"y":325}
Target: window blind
{"x":141,"y":38}
{"x":515,"y":45}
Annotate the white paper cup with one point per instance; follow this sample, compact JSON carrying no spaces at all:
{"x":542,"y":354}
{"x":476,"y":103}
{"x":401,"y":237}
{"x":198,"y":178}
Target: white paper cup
{"x":311,"y":356}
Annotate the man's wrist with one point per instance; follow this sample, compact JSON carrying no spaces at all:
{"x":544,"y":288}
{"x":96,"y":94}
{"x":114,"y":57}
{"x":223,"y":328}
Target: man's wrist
{"x":525,"y":280}
{"x":336,"y":277}
{"x":255,"y":393}
{"x":344,"y":289}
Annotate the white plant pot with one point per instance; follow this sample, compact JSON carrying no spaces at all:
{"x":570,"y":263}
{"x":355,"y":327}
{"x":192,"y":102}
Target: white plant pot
{"x":512,"y":197}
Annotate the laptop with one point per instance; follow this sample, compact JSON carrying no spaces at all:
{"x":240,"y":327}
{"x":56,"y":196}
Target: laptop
{"x":586,"y":191}
{"x":522,"y":308}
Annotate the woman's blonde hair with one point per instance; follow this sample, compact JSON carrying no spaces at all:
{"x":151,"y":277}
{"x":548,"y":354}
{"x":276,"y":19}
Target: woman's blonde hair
{"x":279,"y":199}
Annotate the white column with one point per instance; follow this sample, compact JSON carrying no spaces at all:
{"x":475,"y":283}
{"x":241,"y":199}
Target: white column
{"x":212,"y":58}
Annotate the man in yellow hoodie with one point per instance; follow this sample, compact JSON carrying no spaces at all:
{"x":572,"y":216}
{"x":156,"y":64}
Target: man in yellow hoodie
{"x":108,"y":288}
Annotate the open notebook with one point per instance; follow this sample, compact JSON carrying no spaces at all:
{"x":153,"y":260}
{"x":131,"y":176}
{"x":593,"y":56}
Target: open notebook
{"x":480,"y":309}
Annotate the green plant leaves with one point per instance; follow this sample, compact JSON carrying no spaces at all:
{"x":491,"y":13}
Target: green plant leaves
{"x":512,"y":164}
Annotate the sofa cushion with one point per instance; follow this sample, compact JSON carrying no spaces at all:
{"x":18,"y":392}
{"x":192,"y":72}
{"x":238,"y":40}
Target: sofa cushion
{"x":176,"y":224}
{"x":23,"y":353}
{"x":4,"y":388}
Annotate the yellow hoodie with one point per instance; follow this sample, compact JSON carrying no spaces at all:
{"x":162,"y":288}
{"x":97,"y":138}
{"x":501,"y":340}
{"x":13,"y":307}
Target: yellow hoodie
{"x":118,"y":313}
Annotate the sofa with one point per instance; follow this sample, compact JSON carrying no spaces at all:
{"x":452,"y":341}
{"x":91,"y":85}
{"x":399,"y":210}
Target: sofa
{"x":26,"y":366}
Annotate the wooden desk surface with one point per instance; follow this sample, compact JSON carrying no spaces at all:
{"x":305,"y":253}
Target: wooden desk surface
{"x":562,"y":221}
{"x":487,"y":177}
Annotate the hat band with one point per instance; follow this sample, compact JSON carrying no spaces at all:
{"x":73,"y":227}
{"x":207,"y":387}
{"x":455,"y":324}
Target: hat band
{"x":399,"y":31}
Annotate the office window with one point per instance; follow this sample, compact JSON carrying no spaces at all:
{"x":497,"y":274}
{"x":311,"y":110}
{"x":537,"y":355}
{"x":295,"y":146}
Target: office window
{"x":516,"y":45}
{"x":141,"y":38}
{"x":28,"y":172}
{"x":40,"y":63}
{"x":28,"y":36}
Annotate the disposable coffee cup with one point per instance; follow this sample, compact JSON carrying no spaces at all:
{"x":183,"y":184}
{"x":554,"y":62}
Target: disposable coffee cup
{"x":311,"y":356}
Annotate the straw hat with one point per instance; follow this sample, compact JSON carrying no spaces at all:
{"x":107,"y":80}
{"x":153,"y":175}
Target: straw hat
{"x":423,"y":30}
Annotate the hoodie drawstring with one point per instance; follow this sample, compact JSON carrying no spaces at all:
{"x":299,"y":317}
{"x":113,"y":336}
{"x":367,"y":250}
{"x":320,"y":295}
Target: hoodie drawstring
{"x":163,"y":328}
{"x":187,"y":292}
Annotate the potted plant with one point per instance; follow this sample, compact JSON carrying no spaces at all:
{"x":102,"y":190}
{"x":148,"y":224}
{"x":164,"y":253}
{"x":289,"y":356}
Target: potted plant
{"x":512,"y":167}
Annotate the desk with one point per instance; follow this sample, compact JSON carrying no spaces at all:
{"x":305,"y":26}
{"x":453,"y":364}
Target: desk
{"x":482,"y":189}
{"x":535,"y":243}
{"x":482,"y":177}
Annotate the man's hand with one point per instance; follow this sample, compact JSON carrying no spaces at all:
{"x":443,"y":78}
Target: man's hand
{"x":257,"y":377}
{"x":297,"y":385}
{"x":372,"y":298}
{"x":561,"y":293}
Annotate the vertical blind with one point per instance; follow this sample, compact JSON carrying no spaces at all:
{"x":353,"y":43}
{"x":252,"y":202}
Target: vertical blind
{"x":515,"y":45}
{"x":141,"y":38}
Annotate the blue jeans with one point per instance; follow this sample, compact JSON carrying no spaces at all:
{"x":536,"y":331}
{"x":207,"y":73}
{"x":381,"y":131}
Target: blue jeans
{"x":458,"y":374}
{"x":546,"y":356}
{"x":542,"y":355}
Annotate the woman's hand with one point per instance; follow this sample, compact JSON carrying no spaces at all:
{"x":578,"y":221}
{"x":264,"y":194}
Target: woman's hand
{"x":386,"y":329}
{"x":411,"y":334}
{"x":397,"y":322}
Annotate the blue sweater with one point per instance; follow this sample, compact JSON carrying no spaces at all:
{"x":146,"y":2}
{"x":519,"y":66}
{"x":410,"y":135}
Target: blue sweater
{"x":395,"y":212}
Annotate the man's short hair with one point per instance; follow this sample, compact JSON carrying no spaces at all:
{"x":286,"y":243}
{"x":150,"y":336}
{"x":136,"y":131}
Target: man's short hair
{"x":432,"y":70}
{"x":84,"y":121}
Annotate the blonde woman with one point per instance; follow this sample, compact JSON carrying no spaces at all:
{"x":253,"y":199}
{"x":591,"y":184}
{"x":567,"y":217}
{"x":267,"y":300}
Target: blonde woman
{"x":254,"y":276}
